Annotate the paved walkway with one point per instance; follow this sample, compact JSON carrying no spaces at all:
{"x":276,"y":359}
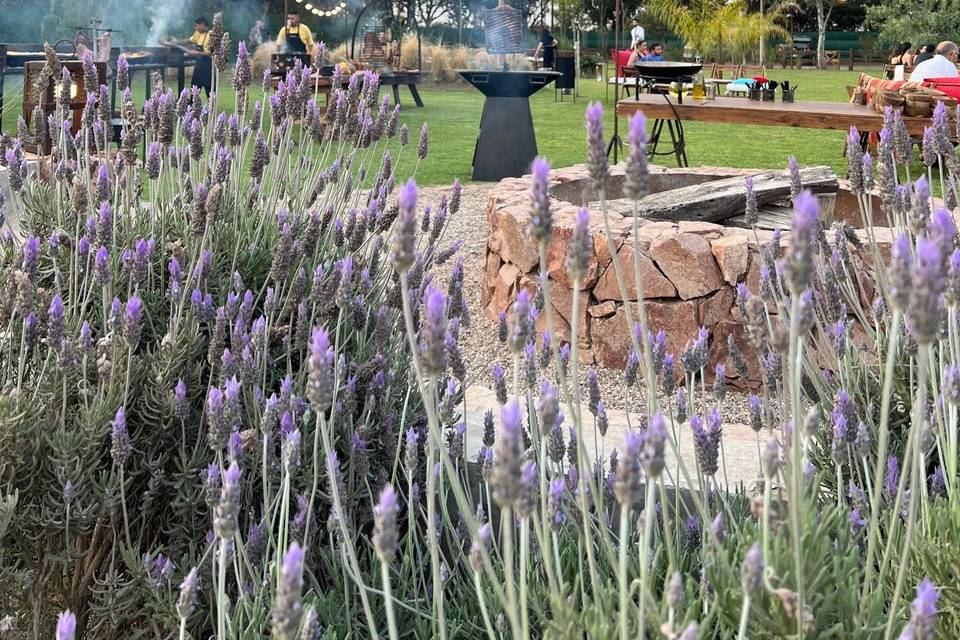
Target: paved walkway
{"x":739,"y":441}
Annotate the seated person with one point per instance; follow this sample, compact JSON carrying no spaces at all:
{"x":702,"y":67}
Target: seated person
{"x":638,"y":53}
{"x":295,"y":37}
{"x":655,"y":55}
{"x":942,"y":65}
{"x":924,"y":53}
{"x":901,"y":54}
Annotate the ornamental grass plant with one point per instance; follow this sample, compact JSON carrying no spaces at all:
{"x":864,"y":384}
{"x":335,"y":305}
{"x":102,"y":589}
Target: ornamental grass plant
{"x":233,"y":402}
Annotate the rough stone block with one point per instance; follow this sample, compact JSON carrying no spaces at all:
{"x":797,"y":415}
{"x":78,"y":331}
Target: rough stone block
{"x":687,"y":261}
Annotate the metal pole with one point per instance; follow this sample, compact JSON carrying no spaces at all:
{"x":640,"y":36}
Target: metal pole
{"x":616,"y":87}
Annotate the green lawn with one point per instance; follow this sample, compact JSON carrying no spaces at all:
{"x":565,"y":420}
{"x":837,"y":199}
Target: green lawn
{"x":453,"y":115}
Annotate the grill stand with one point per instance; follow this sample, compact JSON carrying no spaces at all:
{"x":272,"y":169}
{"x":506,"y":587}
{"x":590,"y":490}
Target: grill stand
{"x":497,"y":155}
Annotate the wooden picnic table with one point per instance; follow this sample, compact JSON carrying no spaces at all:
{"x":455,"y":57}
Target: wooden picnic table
{"x":837,"y":116}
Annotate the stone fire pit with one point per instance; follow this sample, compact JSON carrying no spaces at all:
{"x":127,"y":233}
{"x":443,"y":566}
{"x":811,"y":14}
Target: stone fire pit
{"x":690,"y":270}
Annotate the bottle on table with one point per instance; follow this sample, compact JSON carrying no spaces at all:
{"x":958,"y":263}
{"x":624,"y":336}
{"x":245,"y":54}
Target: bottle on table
{"x":699,"y":86}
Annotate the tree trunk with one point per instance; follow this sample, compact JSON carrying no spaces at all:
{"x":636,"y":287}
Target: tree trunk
{"x":821,"y":33}
{"x":763,"y":42}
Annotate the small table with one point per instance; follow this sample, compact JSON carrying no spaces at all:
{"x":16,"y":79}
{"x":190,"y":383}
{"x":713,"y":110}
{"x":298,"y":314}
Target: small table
{"x":409,"y":78}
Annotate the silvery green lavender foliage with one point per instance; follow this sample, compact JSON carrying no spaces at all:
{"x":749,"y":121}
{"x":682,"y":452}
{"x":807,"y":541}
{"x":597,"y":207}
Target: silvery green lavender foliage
{"x":166,"y":420}
{"x":233,"y":405}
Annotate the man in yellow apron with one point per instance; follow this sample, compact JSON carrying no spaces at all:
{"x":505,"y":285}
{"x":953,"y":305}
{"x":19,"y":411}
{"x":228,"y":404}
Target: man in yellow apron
{"x":295,"y":37}
{"x":203,"y":68}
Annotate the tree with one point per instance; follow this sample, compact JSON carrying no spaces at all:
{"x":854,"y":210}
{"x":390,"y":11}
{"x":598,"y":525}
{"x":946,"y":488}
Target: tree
{"x":824,"y":9}
{"x":915,"y":20}
{"x":716,"y":26}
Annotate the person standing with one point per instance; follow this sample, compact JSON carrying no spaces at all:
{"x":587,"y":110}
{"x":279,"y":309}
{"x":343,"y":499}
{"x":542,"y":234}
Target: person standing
{"x":295,"y":37}
{"x":547,"y":47}
{"x":637,"y":34}
{"x":203,"y":52}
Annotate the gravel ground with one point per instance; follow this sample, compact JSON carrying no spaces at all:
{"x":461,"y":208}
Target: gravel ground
{"x":479,"y":344}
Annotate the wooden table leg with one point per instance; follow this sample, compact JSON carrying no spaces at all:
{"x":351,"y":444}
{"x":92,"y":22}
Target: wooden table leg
{"x":416,"y":94}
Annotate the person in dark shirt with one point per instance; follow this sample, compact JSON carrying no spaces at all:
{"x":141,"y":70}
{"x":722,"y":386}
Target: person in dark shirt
{"x":547,"y":47}
{"x":925,"y":52}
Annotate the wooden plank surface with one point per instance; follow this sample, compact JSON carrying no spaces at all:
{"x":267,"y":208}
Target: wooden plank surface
{"x":839,"y":116}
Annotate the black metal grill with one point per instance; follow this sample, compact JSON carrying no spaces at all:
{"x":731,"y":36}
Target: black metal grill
{"x":506,"y":144}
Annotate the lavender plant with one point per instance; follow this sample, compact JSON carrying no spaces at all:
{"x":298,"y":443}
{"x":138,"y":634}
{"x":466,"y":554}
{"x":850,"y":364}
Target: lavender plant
{"x":233,"y":403}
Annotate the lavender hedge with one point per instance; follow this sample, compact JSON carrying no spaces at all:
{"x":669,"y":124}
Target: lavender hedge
{"x":232,"y":402}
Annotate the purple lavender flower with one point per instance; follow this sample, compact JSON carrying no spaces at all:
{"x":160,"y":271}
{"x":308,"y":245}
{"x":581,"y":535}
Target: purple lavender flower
{"x":771,"y":459}
{"x":225,"y":515}
{"x":188,"y":594}
{"x":123,"y":73}
{"x":432,"y":350}
{"x":521,"y":326}
{"x":385,"y":524}
{"x":927,"y":288}
{"x":541,"y":219}
{"x":751,"y":572}
{"x":900,"y":275}
{"x":855,"y":156}
{"x":707,"y":441}
{"x":404,"y":246}
{"x":923,"y":612}
{"x":132,"y":314}
{"x":423,"y":145}
{"x":508,"y":456}
{"x":55,"y":321}
{"x":320,"y":376}
{"x":66,"y":626}
{"x":596,"y":147}
{"x":120,"y":447}
{"x":654,"y":441}
{"x":796,"y":183}
{"x":636,"y":182}
{"x":938,"y":484}
{"x":288,"y":607}
{"x":891,"y":478}
{"x":751,"y":213}
{"x":806,"y":220}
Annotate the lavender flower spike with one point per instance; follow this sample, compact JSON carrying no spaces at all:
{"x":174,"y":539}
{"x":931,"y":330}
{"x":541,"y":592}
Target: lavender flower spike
{"x":385,"y":524}
{"x":432,"y":348}
{"x":423,"y":146}
{"x":596,"y":147}
{"x":188,"y":594}
{"x":923,"y":613}
{"x":66,"y":626}
{"x":508,"y":457}
{"x":751,"y":572}
{"x":806,"y":220}
{"x":581,"y":246}
{"x":405,"y":240}
{"x":132,"y":315}
{"x":637,"y":176}
{"x":288,"y":606}
{"x":752,"y":213}
{"x":541,"y":219}
{"x":925,"y":293}
{"x":320,"y":375}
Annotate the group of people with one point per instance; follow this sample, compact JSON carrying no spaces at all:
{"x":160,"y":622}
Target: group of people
{"x":294,"y":37}
{"x":640,"y":51}
{"x":930,"y":61}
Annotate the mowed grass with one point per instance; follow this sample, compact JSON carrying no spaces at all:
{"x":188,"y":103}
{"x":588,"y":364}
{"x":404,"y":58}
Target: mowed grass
{"x":452,"y":115}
